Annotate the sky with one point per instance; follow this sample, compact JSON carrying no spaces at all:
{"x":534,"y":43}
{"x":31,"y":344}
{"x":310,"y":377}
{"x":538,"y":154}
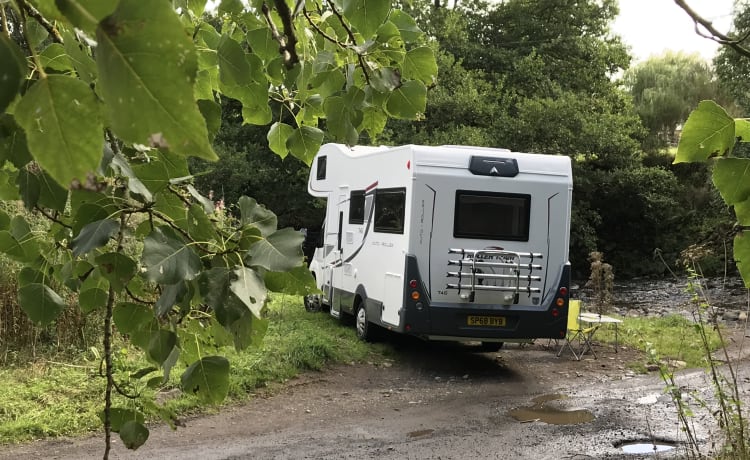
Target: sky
{"x":651,"y":27}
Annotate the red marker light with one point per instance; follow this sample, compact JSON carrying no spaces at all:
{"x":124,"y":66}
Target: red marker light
{"x":563,"y":291}
{"x":408,"y":164}
{"x":413,"y":284}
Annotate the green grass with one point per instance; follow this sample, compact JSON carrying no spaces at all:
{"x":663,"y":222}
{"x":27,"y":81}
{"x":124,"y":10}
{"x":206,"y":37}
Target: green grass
{"x":47,"y":398}
{"x":670,"y":337}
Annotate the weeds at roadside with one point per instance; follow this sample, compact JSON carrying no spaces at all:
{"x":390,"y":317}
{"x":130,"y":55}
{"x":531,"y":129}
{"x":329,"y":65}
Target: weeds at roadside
{"x":727,"y":407}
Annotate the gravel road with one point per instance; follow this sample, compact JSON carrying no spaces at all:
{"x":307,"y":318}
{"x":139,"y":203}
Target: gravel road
{"x":433,"y":402}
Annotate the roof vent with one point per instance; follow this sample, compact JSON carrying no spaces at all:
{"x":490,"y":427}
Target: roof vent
{"x":493,"y":166}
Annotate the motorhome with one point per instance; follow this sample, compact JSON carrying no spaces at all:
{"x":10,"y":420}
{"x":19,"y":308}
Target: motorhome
{"x":446,"y":243}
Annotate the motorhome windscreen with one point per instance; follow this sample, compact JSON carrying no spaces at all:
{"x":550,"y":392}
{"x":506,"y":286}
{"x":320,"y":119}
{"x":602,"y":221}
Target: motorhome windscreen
{"x":390,"y":204}
{"x":492,"y":216}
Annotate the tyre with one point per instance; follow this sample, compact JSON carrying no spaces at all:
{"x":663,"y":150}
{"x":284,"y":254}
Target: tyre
{"x":365,"y":329}
{"x":488,"y":347}
{"x":312,"y":303}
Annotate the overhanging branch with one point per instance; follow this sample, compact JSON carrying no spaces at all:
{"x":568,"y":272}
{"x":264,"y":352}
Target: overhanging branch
{"x":713,"y":34}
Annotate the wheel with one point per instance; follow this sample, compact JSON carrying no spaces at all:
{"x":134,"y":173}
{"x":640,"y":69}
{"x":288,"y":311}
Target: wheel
{"x":365,"y":330}
{"x":312,"y":303}
{"x":488,"y":347}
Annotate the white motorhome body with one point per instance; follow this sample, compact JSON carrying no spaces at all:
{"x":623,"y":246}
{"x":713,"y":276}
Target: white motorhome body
{"x":447,"y":243}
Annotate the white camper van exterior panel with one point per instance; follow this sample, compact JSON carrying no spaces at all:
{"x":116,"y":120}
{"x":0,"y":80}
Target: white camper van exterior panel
{"x":453,"y":242}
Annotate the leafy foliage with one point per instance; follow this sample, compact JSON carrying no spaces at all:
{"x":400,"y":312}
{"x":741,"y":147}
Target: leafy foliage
{"x":100,"y":119}
{"x":711,"y":132}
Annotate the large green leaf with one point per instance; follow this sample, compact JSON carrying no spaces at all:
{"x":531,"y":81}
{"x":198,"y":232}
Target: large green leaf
{"x":12,"y":72}
{"x":262,"y":43}
{"x":119,"y":416}
{"x":366,"y":15}
{"x":211,"y":112}
{"x":742,"y":255}
{"x":233,"y":67}
{"x":60,"y":115}
{"x":133,"y":434}
{"x":131,"y":317}
{"x":340,"y":123}
{"x":709,"y":131}
{"x":249,"y":288}
{"x":39,"y":188}
{"x":742,"y":211}
{"x":408,"y":101}
{"x":248,"y":331}
{"x":88,"y":213}
{"x":29,"y":187}
{"x":121,"y":165}
{"x":28,"y":240}
{"x":732,"y":177}
{"x":410,"y":31}
{"x":94,"y":292}
{"x":79,"y":55}
{"x":304,"y":143}
{"x":13,"y":145}
{"x":252,"y":213}
{"x":171,"y":294}
{"x":11,"y":247}
{"x":54,"y":57}
{"x":41,"y":304}
{"x":147,"y":66}
{"x":420,"y":64}
{"x":277,"y":137}
{"x":86,"y":14}
{"x":297,"y":281}
{"x":254,"y":99}
{"x":161,"y":344}
{"x":742,"y":129}
{"x":208,"y":379}
{"x":117,"y":268}
{"x":278,"y":252}
{"x":94,"y":235}
{"x":161,"y":168}
{"x":167,"y":259}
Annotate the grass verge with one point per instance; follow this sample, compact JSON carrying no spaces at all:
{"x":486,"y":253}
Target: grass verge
{"x":672,"y":337}
{"x":47,"y":398}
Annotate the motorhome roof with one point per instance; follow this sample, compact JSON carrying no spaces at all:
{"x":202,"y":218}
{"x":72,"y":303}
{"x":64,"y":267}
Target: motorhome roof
{"x":456,"y":156}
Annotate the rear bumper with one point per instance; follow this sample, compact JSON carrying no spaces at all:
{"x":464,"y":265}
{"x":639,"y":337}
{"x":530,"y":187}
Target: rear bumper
{"x":452,"y":321}
{"x":426,"y":319}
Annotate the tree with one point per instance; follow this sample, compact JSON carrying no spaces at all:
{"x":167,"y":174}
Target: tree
{"x":665,"y":89}
{"x":732,"y":65}
{"x":105,"y":101}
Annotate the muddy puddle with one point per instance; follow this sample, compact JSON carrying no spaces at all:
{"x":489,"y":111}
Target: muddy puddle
{"x":539,"y":411}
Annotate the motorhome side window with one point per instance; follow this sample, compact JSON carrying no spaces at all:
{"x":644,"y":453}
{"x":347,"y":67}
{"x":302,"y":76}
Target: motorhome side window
{"x":390,"y":206}
{"x":321,"y":168}
{"x":492,"y":216}
{"x":357,"y":207}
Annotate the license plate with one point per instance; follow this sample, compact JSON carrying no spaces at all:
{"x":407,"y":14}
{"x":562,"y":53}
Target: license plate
{"x":491,"y":321}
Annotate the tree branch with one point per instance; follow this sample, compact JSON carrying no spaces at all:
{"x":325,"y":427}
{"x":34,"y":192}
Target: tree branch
{"x":362,"y":62}
{"x":53,"y":218}
{"x":288,"y":41}
{"x":34,"y":13}
{"x":713,"y":33}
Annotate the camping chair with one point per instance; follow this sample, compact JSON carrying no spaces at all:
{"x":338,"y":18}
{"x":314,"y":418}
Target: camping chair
{"x":577,"y":333}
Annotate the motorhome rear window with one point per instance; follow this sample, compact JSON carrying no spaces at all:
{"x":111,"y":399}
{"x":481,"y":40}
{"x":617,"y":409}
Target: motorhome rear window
{"x":357,"y":207}
{"x":390,"y":204}
{"x":492,"y":216}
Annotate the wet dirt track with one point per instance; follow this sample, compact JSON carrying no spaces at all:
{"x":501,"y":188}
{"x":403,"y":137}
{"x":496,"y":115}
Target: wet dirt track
{"x":433,"y":402}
